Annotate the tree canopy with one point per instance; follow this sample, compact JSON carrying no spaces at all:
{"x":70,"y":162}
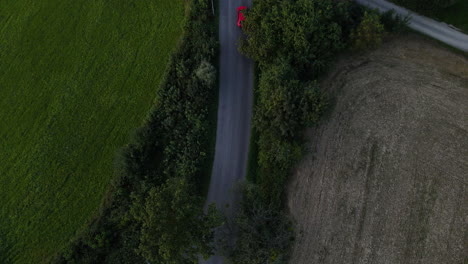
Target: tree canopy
{"x":304,"y":32}
{"x":174,"y":228}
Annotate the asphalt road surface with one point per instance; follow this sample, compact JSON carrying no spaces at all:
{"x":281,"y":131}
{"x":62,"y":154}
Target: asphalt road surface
{"x":430,"y":27}
{"x":234,"y":114}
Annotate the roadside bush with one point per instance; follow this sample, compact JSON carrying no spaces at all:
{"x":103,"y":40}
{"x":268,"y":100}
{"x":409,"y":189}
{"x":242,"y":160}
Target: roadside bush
{"x":265,"y":234}
{"x":276,"y":157}
{"x":369,"y":34}
{"x":206,"y":72}
{"x":285,"y":104}
{"x":394,"y":23}
{"x":173,"y":230}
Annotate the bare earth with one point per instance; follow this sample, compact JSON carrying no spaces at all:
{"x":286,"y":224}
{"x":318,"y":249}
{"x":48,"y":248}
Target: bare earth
{"x":386,"y":177}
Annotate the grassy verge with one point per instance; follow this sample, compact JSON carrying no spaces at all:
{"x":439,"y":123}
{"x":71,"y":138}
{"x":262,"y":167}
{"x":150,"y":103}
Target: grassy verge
{"x":76,"y":77}
{"x":455,"y":15}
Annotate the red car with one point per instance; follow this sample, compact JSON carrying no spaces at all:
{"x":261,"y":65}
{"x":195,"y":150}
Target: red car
{"x":240,"y":15}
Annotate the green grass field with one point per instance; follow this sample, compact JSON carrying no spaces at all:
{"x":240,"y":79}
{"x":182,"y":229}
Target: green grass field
{"x":76,"y":77}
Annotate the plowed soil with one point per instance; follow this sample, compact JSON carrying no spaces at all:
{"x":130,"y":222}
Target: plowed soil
{"x":385,"y":180}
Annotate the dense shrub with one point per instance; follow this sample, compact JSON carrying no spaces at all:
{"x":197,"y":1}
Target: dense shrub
{"x":369,"y":34}
{"x":264,"y":231}
{"x":173,"y":230}
{"x":292,"y":41}
{"x":394,"y":23}
{"x":206,"y":72}
{"x":155,"y":208}
{"x":311,"y":29}
{"x":285,"y":105}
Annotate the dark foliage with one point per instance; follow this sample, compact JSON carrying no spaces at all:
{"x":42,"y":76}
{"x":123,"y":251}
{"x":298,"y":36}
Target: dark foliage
{"x":369,"y":33}
{"x":305,"y":33}
{"x":293,"y":43}
{"x":285,"y":106}
{"x":173,"y":229}
{"x":265,"y":232}
{"x":394,"y":23}
{"x":426,"y":6}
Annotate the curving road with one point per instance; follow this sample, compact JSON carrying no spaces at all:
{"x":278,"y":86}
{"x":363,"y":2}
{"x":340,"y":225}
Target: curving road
{"x":234,"y":114}
{"x":430,"y":27}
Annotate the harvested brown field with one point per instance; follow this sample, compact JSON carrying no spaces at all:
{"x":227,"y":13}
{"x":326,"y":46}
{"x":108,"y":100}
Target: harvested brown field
{"x":386,"y":177}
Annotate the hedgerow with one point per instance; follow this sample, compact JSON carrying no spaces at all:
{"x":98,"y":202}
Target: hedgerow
{"x":293,"y":43}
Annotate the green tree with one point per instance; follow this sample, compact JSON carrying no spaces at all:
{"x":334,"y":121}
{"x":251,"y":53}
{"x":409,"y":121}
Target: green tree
{"x":264,"y":233}
{"x":369,"y":33}
{"x":303,"y":32}
{"x":175,"y":229}
{"x":206,"y":72}
{"x":285,"y":103}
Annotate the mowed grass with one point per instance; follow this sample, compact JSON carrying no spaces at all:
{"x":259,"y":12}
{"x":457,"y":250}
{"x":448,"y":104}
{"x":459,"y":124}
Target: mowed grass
{"x":76,"y":77}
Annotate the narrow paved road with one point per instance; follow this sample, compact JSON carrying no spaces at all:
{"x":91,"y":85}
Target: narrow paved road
{"x":430,"y":27}
{"x":234,"y":113}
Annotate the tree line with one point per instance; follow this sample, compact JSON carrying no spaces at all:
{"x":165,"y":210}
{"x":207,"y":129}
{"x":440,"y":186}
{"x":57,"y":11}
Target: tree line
{"x":293,"y":43}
